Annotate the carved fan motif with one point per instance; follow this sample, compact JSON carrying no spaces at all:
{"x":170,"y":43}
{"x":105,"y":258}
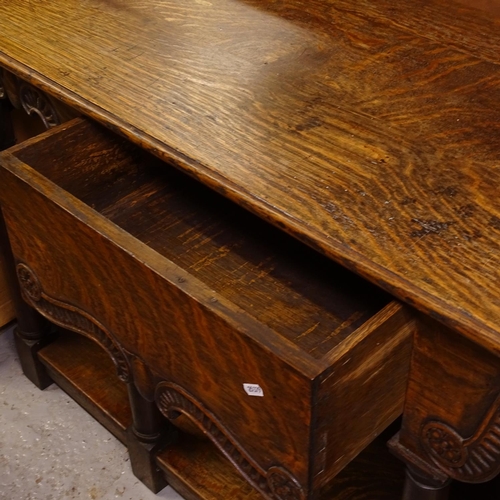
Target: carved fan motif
{"x":35,"y":101}
{"x":275,"y":484}
{"x":474,"y":459}
{"x":30,"y":286}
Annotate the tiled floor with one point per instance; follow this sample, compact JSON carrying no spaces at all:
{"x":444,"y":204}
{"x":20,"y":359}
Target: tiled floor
{"x":51,"y":449}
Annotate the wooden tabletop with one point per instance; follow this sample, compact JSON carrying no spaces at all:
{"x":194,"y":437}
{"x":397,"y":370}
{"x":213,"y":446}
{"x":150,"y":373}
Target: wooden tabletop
{"x":370,"y":129}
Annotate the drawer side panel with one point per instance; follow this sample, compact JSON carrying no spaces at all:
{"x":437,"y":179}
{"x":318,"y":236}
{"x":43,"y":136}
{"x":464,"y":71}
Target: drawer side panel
{"x":362,"y":392}
{"x":180,"y":338}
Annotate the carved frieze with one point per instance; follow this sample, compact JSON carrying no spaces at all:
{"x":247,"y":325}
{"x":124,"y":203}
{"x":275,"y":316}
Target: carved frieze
{"x":474,"y":459}
{"x":70,"y":317}
{"x":34,"y":101}
{"x":276,"y":483}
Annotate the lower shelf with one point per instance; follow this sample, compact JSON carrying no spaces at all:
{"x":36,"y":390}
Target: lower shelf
{"x":196,"y":469}
{"x":83,"y":370}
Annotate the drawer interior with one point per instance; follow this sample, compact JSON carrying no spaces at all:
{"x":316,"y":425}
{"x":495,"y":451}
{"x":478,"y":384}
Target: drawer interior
{"x":279,"y":281}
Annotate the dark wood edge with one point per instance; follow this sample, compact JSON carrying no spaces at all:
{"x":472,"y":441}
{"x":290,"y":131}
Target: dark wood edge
{"x":75,"y":122}
{"x":393,"y":313}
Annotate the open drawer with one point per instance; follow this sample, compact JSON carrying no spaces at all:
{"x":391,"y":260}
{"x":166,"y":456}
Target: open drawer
{"x":290,"y":364}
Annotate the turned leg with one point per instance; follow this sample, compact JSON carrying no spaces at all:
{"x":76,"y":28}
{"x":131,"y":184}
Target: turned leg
{"x":419,"y":486}
{"x":7,"y":138}
{"x":150,"y":432}
{"x":32,"y":331}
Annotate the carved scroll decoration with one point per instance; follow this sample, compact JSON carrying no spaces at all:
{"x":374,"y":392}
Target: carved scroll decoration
{"x":71,"y":317}
{"x":276,"y":483}
{"x":475,"y":459}
{"x":34,"y":101}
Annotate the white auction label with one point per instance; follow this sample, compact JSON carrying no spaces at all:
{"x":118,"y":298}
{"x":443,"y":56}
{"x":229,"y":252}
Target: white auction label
{"x":253,"y":390}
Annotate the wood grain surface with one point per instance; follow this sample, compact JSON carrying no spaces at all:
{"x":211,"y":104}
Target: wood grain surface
{"x":322,"y":344}
{"x":370,"y":130}
{"x":192,"y":337}
{"x":263,"y":271}
{"x":6,"y":140}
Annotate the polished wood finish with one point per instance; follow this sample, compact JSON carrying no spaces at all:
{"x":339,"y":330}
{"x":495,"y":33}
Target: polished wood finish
{"x":488,"y":6}
{"x":369,"y":130}
{"x":219,"y":300}
{"x":7,"y":139}
{"x":375,"y":142}
{"x":18,"y":100}
{"x":193,"y":465}
{"x":229,"y":250}
{"x":195,"y":468}
{"x":451,"y":427}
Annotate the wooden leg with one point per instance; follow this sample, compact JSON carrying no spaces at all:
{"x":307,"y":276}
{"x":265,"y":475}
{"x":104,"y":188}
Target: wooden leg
{"x":7,"y":138}
{"x":33,"y":331}
{"x":421,"y":487}
{"x":451,"y":419}
{"x":150,"y":432}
